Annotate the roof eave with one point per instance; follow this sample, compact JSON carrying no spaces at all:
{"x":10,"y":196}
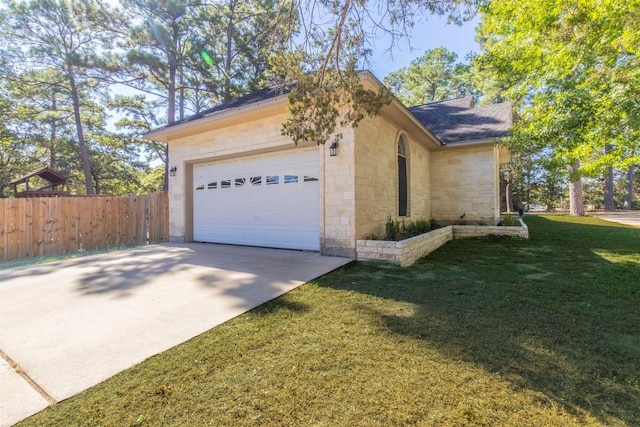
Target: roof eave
{"x":417,"y":122}
{"x":368,"y":75}
{"x":468,"y":142}
{"x":168,"y":132}
{"x":171,"y":132}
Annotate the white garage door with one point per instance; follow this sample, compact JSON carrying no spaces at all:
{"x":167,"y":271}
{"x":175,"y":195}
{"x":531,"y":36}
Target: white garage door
{"x":271,"y":201}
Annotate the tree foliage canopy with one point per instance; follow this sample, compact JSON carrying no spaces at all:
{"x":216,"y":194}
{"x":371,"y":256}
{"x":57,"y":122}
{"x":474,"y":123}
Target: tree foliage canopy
{"x":435,"y":76}
{"x":573,"y":68}
{"x":335,"y":40}
{"x":59,"y":61}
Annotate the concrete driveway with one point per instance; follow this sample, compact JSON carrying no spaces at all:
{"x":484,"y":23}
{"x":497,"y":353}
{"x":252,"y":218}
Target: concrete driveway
{"x":68,"y":325}
{"x":631,"y":218}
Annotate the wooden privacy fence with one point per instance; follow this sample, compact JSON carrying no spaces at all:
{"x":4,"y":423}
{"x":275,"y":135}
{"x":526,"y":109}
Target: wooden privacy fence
{"x":34,"y":227}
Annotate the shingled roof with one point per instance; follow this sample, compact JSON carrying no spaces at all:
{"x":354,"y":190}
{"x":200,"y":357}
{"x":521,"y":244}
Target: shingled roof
{"x":272,"y":91}
{"x":451,"y":121}
{"x":457,"y":120}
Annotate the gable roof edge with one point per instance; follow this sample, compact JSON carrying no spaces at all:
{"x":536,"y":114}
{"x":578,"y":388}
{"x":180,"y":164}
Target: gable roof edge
{"x":171,"y":131}
{"x":366,"y":74}
{"x":403,"y":109}
{"x":469,"y":142}
{"x":168,"y":130}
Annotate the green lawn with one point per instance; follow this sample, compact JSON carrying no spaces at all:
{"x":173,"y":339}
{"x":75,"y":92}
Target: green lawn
{"x":487,"y":332}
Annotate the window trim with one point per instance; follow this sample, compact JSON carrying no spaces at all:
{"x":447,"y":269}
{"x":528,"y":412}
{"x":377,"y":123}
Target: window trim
{"x":403,"y":184}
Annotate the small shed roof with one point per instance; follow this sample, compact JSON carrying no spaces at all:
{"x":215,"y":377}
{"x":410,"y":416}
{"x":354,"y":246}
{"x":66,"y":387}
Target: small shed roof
{"x":45,"y":173}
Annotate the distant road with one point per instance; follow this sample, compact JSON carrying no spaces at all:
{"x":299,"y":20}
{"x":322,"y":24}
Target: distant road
{"x":631,"y":218}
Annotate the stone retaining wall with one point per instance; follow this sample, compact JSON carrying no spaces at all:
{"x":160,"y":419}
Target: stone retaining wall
{"x":406,"y":252}
{"x":460,"y":231}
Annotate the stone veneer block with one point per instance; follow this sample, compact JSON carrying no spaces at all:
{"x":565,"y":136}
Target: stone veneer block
{"x":406,"y":252}
{"x":460,"y":231}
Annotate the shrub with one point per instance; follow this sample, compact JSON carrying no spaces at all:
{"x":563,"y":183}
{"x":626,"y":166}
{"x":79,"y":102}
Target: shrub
{"x":391,"y":229}
{"x":396,"y":230}
{"x":509,"y":221}
{"x":423,"y":225}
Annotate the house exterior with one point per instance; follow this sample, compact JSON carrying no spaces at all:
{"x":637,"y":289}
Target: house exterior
{"x":239,"y":181}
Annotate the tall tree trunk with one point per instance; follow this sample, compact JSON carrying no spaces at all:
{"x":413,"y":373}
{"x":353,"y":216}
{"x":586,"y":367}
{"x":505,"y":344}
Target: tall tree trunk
{"x":97,"y":180}
{"x":84,"y":152}
{"x":609,"y":203}
{"x":53,"y":161}
{"x":53,"y":158}
{"x":628,"y":200}
{"x":181,"y":111}
{"x":528,"y":186}
{"x":576,"y":204}
{"x":551,"y":197}
{"x":171,"y":91}
{"x":172,"y":117}
{"x":508,"y":196}
{"x":173,"y":68}
{"x":229,"y":53}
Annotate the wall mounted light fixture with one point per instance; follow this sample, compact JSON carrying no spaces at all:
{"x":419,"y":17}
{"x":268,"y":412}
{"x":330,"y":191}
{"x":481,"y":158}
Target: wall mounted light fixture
{"x":333,"y":149}
{"x":173,"y":170}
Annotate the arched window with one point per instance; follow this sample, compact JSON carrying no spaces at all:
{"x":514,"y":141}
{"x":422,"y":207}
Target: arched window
{"x":403,"y":184}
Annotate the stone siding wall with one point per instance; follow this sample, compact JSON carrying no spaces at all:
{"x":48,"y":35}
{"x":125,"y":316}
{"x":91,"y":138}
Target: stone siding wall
{"x":338,"y":234}
{"x":376,"y":176}
{"x":465,"y":181}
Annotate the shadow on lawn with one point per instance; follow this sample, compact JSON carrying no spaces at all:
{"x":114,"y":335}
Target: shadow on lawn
{"x":550,"y":314}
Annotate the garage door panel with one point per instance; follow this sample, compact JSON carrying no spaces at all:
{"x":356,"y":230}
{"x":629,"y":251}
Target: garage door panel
{"x":270,"y":201}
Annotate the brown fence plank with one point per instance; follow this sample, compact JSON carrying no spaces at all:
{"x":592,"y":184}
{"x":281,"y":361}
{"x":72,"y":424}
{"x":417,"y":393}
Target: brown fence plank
{"x":30,"y":228}
{"x":47,"y":225}
{"x":69,"y":243}
{"x":125,"y":221}
{"x":75,"y":225}
{"x":162,"y":221}
{"x":11,"y":210}
{"x":50,"y":226}
{"x":57,"y":229}
{"x":3,"y":229}
{"x":109,"y":224}
{"x":131,"y":220}
{"x":153,"y":212}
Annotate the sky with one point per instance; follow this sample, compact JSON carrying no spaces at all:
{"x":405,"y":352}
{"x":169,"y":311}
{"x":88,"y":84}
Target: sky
{"x":425,"y":35}
{"x":428,"y":33}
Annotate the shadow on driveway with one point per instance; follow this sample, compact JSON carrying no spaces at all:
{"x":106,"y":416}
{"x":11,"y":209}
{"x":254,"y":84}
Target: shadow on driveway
{"x":72,"y":324}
